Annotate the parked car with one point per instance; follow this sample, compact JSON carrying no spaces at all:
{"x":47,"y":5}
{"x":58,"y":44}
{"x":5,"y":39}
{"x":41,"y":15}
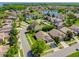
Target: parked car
{"x":77,"y":49}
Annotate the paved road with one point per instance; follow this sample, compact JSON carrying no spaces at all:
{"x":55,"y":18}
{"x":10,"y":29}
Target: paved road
{"x":25,"y":45}
{"x":63,"y":52}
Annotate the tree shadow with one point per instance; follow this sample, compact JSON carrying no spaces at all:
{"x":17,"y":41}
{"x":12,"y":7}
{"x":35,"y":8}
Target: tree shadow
{"x":29,"y":54}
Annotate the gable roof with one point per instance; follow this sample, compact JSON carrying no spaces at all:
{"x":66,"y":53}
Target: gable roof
{"x":44,"y":36}
{"x":75,"y":28}
{"x":3,"y":50}
{"x":56,"y":33}
{"x":1,"y":36}
{"x":65,"y":29}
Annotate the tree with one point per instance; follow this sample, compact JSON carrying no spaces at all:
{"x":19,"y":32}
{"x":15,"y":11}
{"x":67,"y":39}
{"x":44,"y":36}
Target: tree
{"x":62,"y":10}
{"x":13,"y":35}
{"x":31,"y":27}
{"x":12,"y":51}
{"x":69,"y":22}
{"x":1,"y":20}
{"x":47,"y":27}
{"x":21,"y":18}
{"x":57,"y":40}
{"x":11,"y":7}
{"x":14,"y":24}
{"x":12,"y":40}
{"x":13,"y":32}
{"x":71,"y":16}
{"x":38,"y":47}
{"x":69,"y":35}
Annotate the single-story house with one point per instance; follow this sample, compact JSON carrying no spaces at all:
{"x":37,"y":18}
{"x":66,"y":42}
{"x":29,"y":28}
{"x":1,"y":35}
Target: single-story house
{"x":65,"y":29}
{"x":11,"y":17}
{"x":56,"y":33}
{"x":77,"y":15}
{"x":44,"y":36}
{"x":1,"y":37}
{"x":3,"y":50}
{"x":58,"y":22}
{"x":75,"y":29}
{"x":8,"y":21}
{"x":7,"y":29}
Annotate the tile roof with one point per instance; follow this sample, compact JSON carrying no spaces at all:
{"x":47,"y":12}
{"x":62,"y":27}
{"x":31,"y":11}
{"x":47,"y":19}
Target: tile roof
{"x":3,"y":50}
{"x":44,"y":36}
{"x":56,"y":33}
{"x":65,"y":29}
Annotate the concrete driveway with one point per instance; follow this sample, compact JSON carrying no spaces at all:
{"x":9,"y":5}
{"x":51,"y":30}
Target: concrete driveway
{"x":64,"y":44}
{"x":76,"y":38}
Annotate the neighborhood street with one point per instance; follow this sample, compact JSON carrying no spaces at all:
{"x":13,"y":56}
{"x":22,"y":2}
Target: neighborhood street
{"x":25,"y":45}
{"x":63,"y":52}
{"x":60,"y":53}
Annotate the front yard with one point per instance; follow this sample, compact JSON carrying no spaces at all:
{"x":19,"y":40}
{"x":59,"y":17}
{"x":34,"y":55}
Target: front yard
{"x":77,"y":22}
{"x":30,"y":38}
{"x":60,"y":46}
{"x":71,"y":42}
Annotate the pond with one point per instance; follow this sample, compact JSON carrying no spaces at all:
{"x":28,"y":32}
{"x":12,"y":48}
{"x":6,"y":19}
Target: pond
{"x":51,"y":12}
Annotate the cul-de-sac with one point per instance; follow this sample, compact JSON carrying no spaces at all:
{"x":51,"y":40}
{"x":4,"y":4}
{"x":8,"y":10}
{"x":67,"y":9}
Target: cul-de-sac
{"x":39,"y":30}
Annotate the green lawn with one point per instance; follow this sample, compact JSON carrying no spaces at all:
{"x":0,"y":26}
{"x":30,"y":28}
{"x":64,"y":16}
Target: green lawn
{"x":77,"y":23}
{"x":71,"y":42}
{"x":21,"y":53}
{"x":30,"y":38}
{"x":75,"y":54}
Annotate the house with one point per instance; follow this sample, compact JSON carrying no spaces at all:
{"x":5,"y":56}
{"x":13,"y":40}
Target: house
{"x":33,"y":26}
{"x":11,"y":17}
{"x":56,"y":33}
{"x":58,"y":22}
{"x":77,"y":15}
{"x":44,"y":36}
{"x":13,"y":12}
{"x":8,"y":21}
{"x":75,"y":29}
{"x":65,"y":29}
{"x":1,"y":37}
{"x":3,"y":50}
{"x":7,"y":29}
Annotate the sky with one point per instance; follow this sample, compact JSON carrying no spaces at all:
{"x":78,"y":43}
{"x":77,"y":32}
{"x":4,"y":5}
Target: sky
{"x":39,"y":0}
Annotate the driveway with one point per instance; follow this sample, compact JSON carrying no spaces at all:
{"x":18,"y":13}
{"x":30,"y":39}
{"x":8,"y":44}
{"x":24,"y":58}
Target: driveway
{"x":24,"y":43}
{"x":76,"y":39}
{"x":64,"y":44}
{"x":63,"y":52}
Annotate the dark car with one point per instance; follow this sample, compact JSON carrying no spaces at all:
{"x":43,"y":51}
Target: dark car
{"x":77,"y":49}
